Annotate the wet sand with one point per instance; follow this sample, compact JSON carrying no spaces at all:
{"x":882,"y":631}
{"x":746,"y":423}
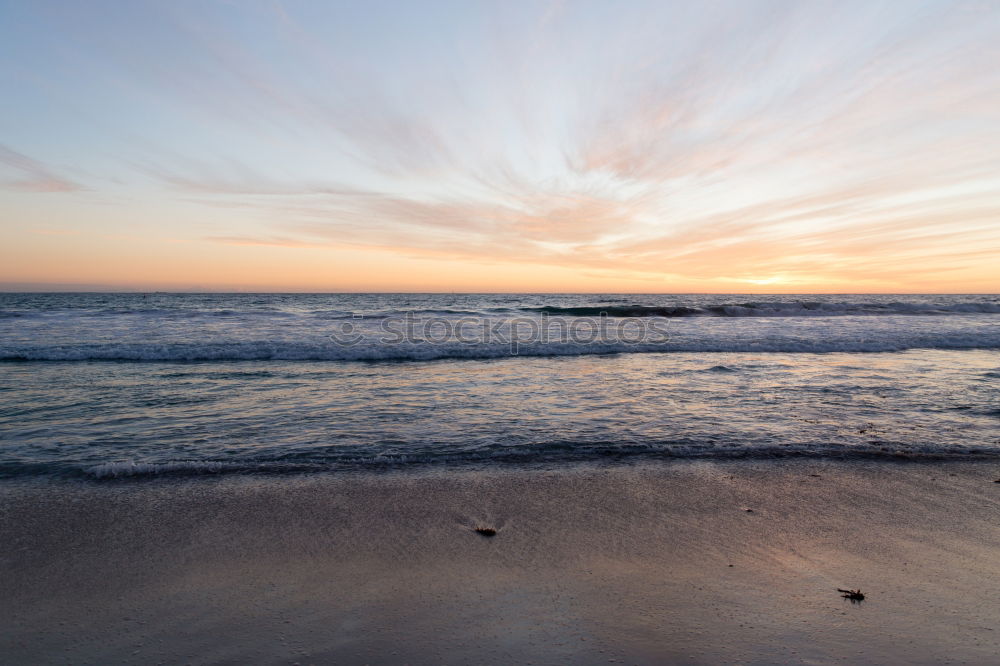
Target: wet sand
{"x":618,"y":564}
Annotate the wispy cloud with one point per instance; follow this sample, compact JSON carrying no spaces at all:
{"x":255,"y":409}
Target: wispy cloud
{"x":28,"y":175}
{"x":239,"y":179}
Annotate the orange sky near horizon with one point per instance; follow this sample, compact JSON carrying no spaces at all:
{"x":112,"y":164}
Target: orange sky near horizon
{"x":131,"y":264}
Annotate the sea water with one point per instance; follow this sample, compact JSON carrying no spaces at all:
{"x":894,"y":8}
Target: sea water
{"x":104,"y":385}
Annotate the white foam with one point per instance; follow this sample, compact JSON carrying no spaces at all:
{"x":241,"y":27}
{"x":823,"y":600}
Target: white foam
{"x":376,"y":351}
{"x":118,"y":470}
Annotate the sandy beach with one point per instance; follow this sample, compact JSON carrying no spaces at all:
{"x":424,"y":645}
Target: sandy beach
{"x":688,"y":562}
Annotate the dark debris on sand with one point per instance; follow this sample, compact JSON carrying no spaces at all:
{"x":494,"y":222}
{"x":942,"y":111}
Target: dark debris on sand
{"x":486,"y":531}
{"x":853,"y":595}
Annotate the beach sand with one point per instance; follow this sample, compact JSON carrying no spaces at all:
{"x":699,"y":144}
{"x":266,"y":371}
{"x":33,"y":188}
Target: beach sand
{"x":652,"y":563}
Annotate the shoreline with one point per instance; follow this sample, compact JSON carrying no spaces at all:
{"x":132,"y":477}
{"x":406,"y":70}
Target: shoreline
{"x":590,"y":563}
{"x":531,"y":461}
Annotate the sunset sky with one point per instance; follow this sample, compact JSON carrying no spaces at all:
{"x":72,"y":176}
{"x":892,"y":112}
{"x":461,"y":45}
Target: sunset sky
{"x":500,"y":146}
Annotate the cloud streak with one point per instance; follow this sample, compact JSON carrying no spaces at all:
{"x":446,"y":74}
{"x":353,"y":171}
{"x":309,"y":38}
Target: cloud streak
{"x":28,"y":175}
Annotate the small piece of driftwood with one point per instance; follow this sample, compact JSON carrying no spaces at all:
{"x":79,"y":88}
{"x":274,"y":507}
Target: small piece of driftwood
{"x":486,"y":531}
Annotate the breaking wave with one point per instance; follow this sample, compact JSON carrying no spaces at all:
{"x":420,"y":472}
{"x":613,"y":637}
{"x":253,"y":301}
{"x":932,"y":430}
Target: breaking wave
{"x":773,"y":309}
{"x":375,"y":351}
{"x":548,"y":453}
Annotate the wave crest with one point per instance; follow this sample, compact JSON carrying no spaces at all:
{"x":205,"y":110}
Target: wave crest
{"x":771,"y":309}
{"x":374,"y":351}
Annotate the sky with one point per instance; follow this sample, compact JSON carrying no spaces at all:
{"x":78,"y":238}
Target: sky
{"x":567,"y":146}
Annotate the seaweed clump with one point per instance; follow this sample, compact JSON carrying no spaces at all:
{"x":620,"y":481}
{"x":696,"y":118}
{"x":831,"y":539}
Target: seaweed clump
{"x":853,"y":595}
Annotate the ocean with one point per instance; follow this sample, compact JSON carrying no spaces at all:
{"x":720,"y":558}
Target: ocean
{"x":108,"y":386}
